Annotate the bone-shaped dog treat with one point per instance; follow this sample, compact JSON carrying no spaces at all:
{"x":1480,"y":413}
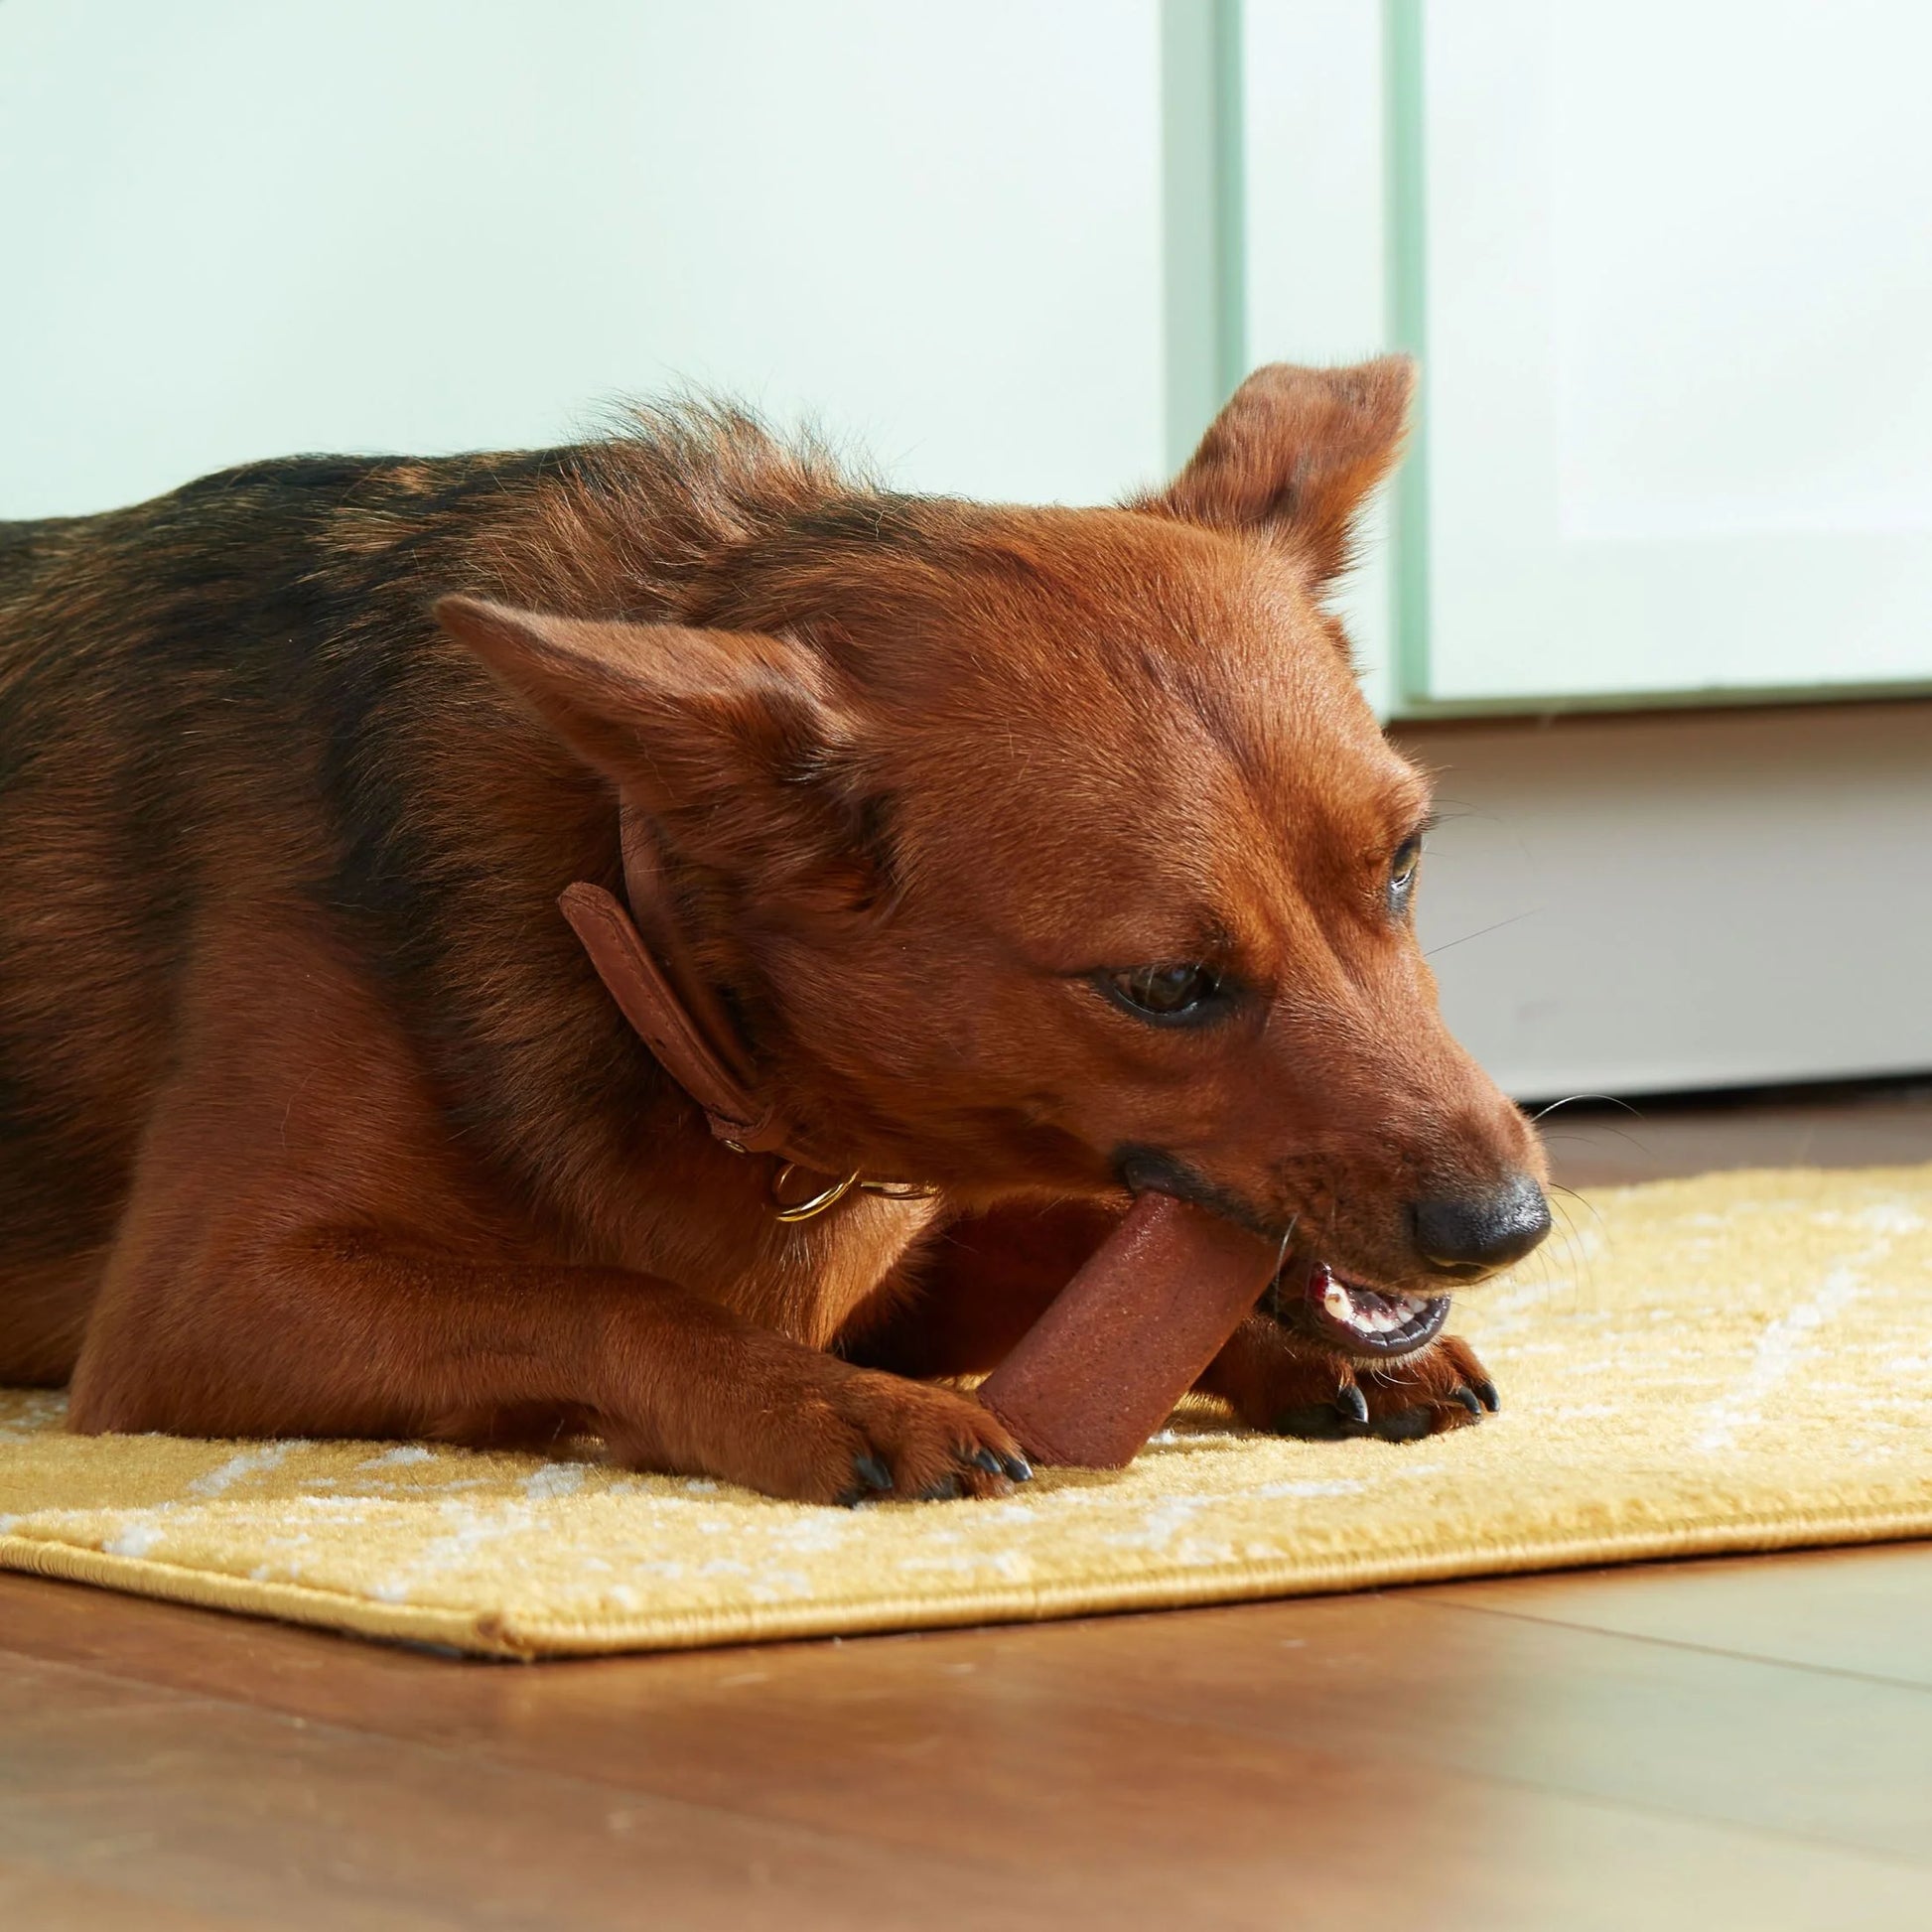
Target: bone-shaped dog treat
{"x":1125,"y":1339}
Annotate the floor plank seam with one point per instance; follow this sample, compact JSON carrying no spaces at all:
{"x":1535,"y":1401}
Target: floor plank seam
{"x":1683,"y":1643}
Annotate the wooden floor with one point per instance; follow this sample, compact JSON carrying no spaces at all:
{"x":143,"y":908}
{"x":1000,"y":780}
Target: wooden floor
{"x":1741,"y":1744}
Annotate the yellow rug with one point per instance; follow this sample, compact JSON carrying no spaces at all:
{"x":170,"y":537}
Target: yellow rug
{"x":1742,"y":1362}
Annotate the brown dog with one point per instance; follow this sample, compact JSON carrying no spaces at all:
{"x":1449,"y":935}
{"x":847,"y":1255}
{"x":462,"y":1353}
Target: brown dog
{"x":1039,"y":856}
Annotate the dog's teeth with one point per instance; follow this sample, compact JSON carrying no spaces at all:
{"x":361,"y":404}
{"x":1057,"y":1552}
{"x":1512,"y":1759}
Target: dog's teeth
{"x":1335,"y":1299}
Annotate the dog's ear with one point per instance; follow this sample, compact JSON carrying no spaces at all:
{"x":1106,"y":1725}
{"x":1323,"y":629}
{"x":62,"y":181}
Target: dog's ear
{"x":731,"y":741}
{"x":1295,"y":452}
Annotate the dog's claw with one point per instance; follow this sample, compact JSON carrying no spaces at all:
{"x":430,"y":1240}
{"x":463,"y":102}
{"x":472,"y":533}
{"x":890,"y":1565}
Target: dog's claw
{"x":1018,"y":1468}
{"x":1352,"y":1405}
{"x":1485,"y":1391}
{"x":1470,"y":1400}
{"x":983,"y":1458}
{"x":872,"y":1473}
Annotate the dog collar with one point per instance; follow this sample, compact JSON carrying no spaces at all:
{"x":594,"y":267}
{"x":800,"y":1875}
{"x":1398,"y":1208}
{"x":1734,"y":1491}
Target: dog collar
{"x":653,"y":980}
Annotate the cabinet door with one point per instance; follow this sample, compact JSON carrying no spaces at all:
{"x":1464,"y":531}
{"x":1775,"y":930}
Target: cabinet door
{"x":232,"y":230}
{"x":1673,"y":271}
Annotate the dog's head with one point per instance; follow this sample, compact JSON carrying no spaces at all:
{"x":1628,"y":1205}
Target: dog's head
{"x":1057,"y":851}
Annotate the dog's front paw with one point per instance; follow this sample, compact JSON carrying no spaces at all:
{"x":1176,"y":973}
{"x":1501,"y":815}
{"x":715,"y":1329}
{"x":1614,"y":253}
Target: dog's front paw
{"x":1275,"y":1381}
{"x":1436,"y":1388}
{"x":810,"y":1428}
{"x":920,"y":1443}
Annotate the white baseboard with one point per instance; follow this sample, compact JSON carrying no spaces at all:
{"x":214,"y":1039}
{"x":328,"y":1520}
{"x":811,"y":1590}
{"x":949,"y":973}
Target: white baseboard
{"x":1689,"y":899}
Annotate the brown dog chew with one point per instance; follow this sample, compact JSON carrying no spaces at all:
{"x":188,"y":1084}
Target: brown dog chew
{"x":1100,"y":1371}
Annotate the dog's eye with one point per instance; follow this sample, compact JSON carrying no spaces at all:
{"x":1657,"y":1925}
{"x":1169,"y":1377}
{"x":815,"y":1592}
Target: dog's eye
{"x":1178,"y":992}
{"x":1402,"y":872}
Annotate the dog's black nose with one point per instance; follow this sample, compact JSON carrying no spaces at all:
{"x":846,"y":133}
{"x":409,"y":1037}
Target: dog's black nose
{"x":1467,"y":1236}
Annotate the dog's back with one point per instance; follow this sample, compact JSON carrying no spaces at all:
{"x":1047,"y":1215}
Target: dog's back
{"x":172,"y":694}
{"x":230,"y":704}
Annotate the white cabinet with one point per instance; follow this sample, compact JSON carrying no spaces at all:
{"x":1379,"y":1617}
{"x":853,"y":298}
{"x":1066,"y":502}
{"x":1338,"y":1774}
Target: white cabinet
{"x":1676,"y":271}
{"x":1669,"y":267}
{"x":232,"y":229}
{"x":1683,"y":900}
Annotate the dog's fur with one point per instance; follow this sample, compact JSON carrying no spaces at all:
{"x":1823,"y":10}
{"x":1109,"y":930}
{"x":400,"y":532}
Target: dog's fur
{"x":315,"y":1120}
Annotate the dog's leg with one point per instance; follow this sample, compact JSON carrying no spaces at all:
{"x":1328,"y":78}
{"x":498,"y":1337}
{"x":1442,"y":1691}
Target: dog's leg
{"x":336,"y":1332}
{"x":307,"y":1249}
{"x":1276,"y":1379}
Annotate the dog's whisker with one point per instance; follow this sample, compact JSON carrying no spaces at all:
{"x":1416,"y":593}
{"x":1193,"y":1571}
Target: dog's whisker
{"x":1281,"y":1262}
{"x":1571,"y":1100}
{"x":1482,"y":932}
{"x":1584,"y":1201}
{"x":1287,"y":1235}
{"x":1576,"y":1251}
{"x":1586,"y":1138}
